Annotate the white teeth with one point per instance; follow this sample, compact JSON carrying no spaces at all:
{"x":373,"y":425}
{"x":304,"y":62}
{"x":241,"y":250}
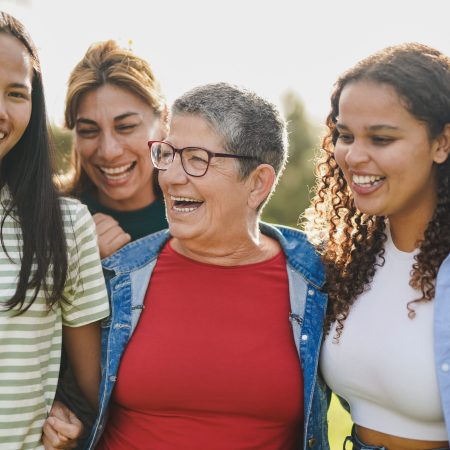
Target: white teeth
{"x":179,"y":208}
{"x":183,"y":209}
{"x":366,"y":179}
{"x":115,"y":170}
{"x":184,"y":199}
{"x":117,"y":177}
{"x":2,"y":135}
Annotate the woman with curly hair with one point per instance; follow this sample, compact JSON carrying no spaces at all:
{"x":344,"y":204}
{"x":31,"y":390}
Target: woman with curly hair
{"x":381,"y":218}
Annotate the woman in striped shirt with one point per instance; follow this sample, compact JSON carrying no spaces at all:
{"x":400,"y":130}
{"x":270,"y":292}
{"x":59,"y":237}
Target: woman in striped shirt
{"x":51,"y":282}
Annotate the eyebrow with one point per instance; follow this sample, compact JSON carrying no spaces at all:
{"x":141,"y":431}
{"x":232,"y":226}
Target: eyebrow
{"x":20,"y":86}
{"x":81,"y":120}
{"x":372,"y":128}
{"x":86,"y":121}
{"x":125,"y":115}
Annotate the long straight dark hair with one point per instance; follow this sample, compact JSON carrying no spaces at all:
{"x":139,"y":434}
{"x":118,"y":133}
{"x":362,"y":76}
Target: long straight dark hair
{"x":26,"y":170}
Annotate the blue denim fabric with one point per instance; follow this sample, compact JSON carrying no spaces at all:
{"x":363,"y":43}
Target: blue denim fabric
{"x":128,"y":273}
{"x":442,"y":337}
{"x":358,"y":445}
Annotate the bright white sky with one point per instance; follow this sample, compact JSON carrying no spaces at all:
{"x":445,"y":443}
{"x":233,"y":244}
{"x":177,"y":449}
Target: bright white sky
{"x":268,"y":46}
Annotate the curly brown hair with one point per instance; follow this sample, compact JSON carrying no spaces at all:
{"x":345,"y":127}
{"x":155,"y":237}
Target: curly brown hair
{"x":352,"y":243}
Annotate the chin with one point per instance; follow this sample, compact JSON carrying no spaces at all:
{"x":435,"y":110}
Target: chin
{"x":371,"y":211}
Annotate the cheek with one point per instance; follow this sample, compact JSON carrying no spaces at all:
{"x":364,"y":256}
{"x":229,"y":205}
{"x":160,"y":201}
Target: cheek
{"x":339,"y":156}
{"x":22,"y":118}
{"x":161,"y":180}
{"x":137,"y":146}
{"x":27,"y":116}
{"x":85,"y":149}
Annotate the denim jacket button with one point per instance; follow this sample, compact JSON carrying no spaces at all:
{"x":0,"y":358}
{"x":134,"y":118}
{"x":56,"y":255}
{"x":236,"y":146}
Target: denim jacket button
{"x":311,"y":442}
{"x":310,"y":292}
{"x":445,"y":367}
{"x":304,"y":337}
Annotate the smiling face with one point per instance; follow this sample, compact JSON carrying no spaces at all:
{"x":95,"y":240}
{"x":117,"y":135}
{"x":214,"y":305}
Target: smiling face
{"x":15,"y":91}
{"x":385,"y":153}
{"x":112,"y":128}
{"x":209,"y":209}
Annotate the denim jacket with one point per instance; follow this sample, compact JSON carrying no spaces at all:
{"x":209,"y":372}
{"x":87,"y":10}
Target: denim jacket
{"x":128,"y":272}
{"x":442,"y":337}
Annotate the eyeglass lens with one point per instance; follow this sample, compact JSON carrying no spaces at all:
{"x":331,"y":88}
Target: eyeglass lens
{"x":195,"y":161}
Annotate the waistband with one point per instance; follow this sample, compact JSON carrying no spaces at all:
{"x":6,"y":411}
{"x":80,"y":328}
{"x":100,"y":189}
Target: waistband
{"x":359,"y":445}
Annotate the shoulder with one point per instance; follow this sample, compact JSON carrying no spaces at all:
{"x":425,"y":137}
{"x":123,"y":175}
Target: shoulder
{"x":72,"y":208}
{"x":77,"y":220}
{"x":289,"y":238}
{"x":300,"y":253}
{"x":138,"y":253}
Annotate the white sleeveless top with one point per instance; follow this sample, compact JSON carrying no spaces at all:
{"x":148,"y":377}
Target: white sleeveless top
{"x":383,"y":364}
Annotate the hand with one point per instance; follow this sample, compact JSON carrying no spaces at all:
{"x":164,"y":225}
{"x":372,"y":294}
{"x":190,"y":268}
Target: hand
{"x":109,"y":234}
{"x":61,"y":429}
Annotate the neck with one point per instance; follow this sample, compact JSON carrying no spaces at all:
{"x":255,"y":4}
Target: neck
{"x":407,"y":232}
{"x":246,"y":248}
{"x":126,"y":204}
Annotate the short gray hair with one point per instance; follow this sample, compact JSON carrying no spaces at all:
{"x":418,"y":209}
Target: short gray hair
{"x":248,"y":124}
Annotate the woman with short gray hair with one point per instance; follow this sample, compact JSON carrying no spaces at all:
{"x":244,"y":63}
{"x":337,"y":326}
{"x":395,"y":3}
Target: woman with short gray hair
{"x":217,"y":322}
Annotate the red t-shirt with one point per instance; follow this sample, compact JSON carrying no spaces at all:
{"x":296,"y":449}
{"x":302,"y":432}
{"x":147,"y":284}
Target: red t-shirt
{"x":212,"y":363}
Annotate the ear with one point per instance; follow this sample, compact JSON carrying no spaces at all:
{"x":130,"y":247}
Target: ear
{"x":261,"y":182}
{"x":441,"y":146}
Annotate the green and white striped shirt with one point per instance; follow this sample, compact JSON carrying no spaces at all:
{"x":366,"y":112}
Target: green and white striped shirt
{"x":30,"y":344}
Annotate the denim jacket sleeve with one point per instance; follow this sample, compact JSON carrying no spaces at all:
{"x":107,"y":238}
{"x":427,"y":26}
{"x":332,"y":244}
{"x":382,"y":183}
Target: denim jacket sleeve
{"x":442,"y":337}
{"x":308,"y":307}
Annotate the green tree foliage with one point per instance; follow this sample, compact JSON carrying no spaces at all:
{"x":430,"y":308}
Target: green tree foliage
{"x":292,"y":194}
{"x":62,"y":142}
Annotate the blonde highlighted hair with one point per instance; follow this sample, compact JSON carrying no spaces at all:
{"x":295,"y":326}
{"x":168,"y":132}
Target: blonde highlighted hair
{"x":107,"y":63}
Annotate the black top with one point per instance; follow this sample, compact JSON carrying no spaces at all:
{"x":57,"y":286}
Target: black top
{"x":138,"y":223}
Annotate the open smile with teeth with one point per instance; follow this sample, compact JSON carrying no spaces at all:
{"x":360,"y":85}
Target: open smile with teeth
{"x":185,"y":204}
{"x":2,"y":135}
{"x":117,"y":173}
{"x":367,"y":180}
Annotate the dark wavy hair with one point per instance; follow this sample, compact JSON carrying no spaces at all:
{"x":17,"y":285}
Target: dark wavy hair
{"x":352,"y":243}
{"x":27,"y":171}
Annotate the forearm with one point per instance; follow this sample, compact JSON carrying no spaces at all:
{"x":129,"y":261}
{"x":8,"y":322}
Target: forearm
{"x":83,"y":348}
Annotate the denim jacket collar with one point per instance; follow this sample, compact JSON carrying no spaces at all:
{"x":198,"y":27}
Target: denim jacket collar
{"x":295,"y":250}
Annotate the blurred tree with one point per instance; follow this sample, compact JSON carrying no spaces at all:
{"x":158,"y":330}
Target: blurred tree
{"x":62,"y":140}
{"x":292,"y":194}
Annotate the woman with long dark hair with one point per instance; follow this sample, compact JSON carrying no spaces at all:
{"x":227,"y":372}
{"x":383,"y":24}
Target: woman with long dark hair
{"x":51,"y":279}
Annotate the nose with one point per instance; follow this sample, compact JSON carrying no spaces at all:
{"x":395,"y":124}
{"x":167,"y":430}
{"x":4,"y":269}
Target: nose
{"x":109,"y":147}
{"x":175,"y":173}
{"x":356,"y":154}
